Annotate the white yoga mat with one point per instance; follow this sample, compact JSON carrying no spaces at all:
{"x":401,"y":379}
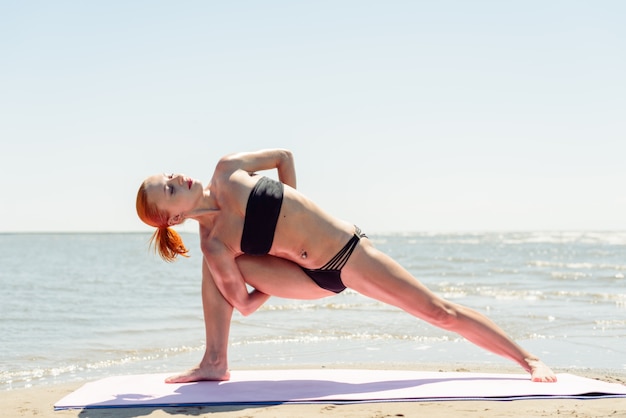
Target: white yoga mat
{"x":329,"y":386}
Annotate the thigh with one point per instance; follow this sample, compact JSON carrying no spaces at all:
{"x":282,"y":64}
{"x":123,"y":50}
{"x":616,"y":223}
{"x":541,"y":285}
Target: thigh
{"x":376,"y":275}
{"x":279,"y":277}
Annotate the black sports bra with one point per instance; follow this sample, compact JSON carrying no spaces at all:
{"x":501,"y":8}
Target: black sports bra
{"x":262,"y":211}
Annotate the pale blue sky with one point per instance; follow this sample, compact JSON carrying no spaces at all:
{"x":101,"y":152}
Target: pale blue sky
{"x":403,"y":115}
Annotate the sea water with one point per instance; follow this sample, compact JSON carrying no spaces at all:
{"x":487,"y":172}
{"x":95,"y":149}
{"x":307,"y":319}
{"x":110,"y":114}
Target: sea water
{"x":75,"y":307}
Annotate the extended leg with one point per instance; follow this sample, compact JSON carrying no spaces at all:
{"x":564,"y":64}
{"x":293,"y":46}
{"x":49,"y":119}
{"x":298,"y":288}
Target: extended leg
{"x":376,"y":275}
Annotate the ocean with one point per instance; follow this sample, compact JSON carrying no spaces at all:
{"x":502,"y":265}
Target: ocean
{"x":80,"y":306}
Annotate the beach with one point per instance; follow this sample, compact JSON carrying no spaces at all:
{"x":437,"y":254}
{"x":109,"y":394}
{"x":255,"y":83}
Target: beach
{"x":477,"y":144}
{"x":39,"y":401}
{"x":118,"y":310}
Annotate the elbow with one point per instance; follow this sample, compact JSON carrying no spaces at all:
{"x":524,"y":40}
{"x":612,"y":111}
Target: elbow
{"x":243,"y":307}
{"x":286,"y":156}
{"x":245,"y":311}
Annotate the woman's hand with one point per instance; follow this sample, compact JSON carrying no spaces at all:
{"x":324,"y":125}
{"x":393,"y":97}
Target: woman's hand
{"x":255,"y":300}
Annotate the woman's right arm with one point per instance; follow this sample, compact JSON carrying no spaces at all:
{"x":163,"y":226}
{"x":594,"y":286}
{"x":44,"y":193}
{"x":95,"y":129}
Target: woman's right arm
{"x":230,"y":281}
{"x":280,"y":159}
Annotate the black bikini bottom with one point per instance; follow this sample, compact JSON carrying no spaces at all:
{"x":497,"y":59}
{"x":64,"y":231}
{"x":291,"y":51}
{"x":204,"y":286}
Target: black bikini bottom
{"x":329,"y":276}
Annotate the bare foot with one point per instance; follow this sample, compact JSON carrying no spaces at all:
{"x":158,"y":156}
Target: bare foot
{"x":539,"y":372}
{"x":198,"y":374}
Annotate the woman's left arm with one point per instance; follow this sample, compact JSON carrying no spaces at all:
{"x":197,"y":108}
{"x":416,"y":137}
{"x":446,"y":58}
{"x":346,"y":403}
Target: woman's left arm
{"x":230,"y":281}
{"x":280,"y":159}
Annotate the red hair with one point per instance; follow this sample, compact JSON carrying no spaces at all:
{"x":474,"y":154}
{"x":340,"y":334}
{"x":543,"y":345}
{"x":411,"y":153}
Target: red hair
{"x":166,"y":241}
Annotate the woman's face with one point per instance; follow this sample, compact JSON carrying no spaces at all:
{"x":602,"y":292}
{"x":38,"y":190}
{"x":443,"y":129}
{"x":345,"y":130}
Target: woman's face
{"x":174,"y":193}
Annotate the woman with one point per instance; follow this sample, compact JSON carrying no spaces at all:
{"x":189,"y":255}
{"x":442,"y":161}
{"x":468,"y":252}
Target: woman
{"x":264,"y":233}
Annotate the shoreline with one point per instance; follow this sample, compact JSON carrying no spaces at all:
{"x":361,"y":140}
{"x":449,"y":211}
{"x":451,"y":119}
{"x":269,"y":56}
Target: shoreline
{"x":39,"y":401}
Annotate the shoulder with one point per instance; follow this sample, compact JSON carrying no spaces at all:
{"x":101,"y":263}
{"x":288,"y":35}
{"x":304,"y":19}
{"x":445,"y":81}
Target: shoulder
{"x":229,"y":179}
{"x":225,"y":168}
{"x":213,"y":248}
{"x":230,"y":169}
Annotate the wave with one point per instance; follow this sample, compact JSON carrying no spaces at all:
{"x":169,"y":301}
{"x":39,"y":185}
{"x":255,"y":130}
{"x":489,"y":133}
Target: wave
{"x":509,"y":238}
{"x":311,"y":339}
{"x":579,"y":265}
{"x":24,"y":378}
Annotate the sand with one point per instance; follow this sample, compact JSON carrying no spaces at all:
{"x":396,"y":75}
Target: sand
{"x":39,"y":401}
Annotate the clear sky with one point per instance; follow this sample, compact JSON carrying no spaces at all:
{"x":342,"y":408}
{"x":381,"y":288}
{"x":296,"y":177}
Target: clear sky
{"x":402,"y":115}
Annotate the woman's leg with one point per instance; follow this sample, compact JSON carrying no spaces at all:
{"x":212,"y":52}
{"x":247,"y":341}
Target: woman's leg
{"x":376,"y":275}
{"x":279,"y":277}
{"x":217,"y":315}
{"x":270,"y":275}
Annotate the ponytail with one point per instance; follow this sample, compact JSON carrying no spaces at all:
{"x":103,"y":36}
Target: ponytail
{"x":166,"y":241}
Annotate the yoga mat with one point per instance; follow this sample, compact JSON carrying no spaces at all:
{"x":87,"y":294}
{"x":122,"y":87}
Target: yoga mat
{"x":270,"y":387}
